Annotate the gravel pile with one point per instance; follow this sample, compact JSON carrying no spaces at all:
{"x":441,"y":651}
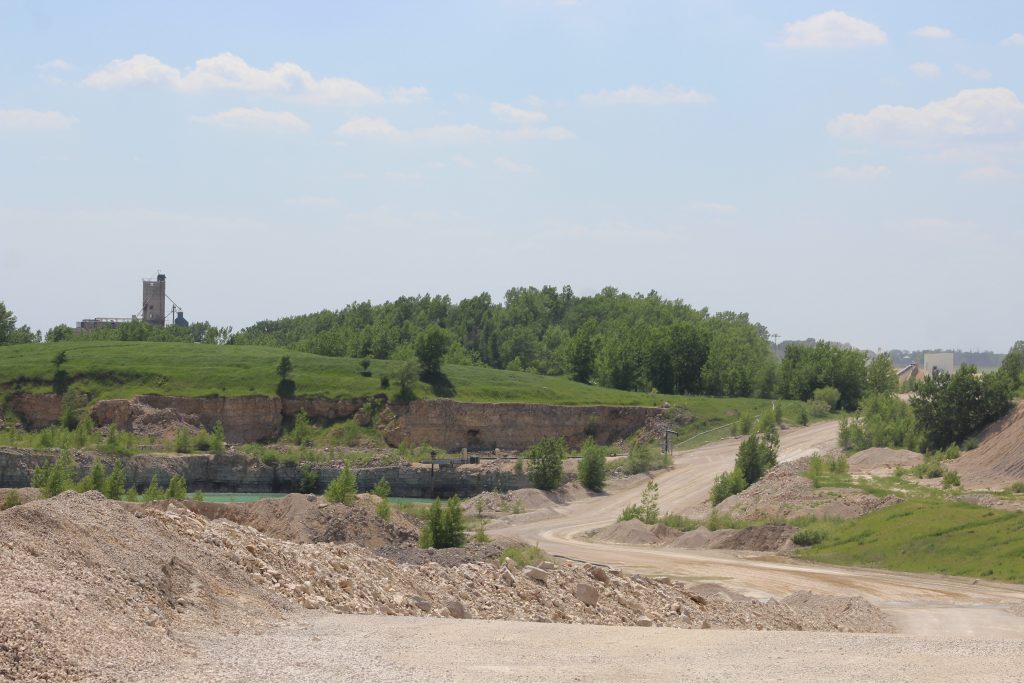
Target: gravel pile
{"x":93,"y":590}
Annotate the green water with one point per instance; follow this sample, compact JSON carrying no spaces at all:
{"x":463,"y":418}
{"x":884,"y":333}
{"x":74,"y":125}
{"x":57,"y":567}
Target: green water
{"x":239,"y":497}
{"x":396,"y":499}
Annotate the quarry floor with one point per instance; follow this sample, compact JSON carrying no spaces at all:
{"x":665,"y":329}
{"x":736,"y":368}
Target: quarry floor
{"x":335,"y":647}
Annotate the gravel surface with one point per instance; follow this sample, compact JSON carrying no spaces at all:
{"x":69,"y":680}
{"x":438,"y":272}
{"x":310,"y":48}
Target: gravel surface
{"x":328,"y":647}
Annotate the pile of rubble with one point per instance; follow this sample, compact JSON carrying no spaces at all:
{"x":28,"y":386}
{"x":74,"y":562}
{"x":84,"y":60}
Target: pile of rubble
{"x":91,"y":588}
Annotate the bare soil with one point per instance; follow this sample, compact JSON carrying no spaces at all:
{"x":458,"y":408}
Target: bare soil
{"x":882,"y":461}
{"x":998,"y":461}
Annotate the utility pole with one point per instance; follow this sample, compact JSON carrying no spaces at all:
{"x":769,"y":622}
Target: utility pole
{"x":667,"y":432}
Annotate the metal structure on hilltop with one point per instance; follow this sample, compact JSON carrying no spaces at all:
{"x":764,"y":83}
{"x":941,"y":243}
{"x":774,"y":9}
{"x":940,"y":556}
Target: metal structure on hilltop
{"x":154,"y":309}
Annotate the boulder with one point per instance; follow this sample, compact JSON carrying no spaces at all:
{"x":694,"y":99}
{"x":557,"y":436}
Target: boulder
{"x":587,"y":594}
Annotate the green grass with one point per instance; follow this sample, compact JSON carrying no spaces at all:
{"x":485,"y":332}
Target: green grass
{"x":928,"y":535}
{"x":523,"y":555}
{"x":127,"y":369}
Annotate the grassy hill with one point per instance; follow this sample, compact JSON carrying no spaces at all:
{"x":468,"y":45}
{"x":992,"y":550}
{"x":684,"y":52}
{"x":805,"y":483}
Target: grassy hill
{"x":126,"y":369}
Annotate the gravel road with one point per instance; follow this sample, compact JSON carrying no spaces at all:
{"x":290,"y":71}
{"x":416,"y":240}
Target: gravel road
{"x":917,"y":603}
{"x":334,"y":647}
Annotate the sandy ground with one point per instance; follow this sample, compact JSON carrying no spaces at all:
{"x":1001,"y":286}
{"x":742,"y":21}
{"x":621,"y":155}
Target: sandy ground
{"x":334,"y":647}
{"x":918,"y":604}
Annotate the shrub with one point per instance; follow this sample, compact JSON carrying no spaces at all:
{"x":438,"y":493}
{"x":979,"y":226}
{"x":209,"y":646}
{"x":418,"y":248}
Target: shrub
{"x":217,"y":439}
{"x":201,"y":441}
{"x":545,"y":463}
{"x":385,"y":381}
{"x":302,"y":432}
{"x":480,"y":535}
{"x":115,"y":482}
{"x":778,"y":413}
{"x":10,"y":500}
{"x":592,"y":467}
{"x":198,"y":497}
{"x":647,"y":510}
{"x":822,"y":468}
{"x":96,"y":479}
{"x":746,"y":423}
{"x":679,"y":522}
{"x":309,"y":479}
{"x":56,"y":477}
{"x":445,"y":527}
{"x":343,"y":488}
{"x":131,"y":495}
{"x":950,"y":479}
{"x":117,"y":442}
{"x":382,"y":488}
{"x":644,"y":457}
{"x":803,"y":418}
{"x":523,"y":555}
{"x":818,"y":408}
{"x":154,"y":492}
{"x":806,"y":537}
{"x":182,"y":441}
{"x":970,"y":443}
{"x":176,"y":489}
{"x":727,"y":484}
{"x":952,"y":452}
{"x":929,"y":469}
{"x":827,"y":395}
{"x":384,"y":509}
{"x":365,"y":365}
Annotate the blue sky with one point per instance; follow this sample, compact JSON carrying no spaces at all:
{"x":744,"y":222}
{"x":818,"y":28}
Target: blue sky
{"x":844,"y":171}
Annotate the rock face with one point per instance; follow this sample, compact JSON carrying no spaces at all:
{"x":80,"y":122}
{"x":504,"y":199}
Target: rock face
{"x":245,"y":418}
{"x":234,"y":471}
{"x":514,"y":426}
{"x":36,"y":410}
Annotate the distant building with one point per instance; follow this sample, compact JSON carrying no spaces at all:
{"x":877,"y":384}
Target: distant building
{"x":154,"y":309}
{"x":940,"y":362}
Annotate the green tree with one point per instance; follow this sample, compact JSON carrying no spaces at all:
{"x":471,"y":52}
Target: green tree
{"x":727,"y":484}
{"x":408,"y":374}
{"x":343,"y":488}
{"x":176,"y":489}
{"x":445,"y":527}
{"x":10,"y":333}
{"x":56,"y":477}
{"x":61,"y":378}
{"x":59,"y":333}
{"x":430,"y":347}
{"x":115,"y":484}
{"x":647,"y":510}
{"x":949,"y":408}
{"x":96,"y":480}
{"x":581,"y":352}
{"x":881,"y":376}
{"x":155,"y":491}
{"x":759,"y":452}
{"x":592,"y":466}
{"x":198,"y":496}
{"x":1013,"y":366}
{"x":545,"y":463}
{"x":183,"y":441}
{"x":10,"y":500}
{"x":302,"y":432}
{"x":285,"y":384}
{"x":217,"y":439}
{"x":382,"y":489}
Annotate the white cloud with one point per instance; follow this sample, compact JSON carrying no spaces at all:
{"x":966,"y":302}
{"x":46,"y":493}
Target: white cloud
{"x":243,"y":117}
{"x":512,"y":166}
{"x":364,"y":126}
{"x":833,"y":29}
{"x":926,"y":70}
{"x":988,"y":173}
{"x":32,"y":119}
{"x":936,"y":32}
{"x":510,"y":114}
{"x":1017,"y":39}
{"x":713,"y":207}
{"x":227,"y":71}
{"x":976,"y":74}
{"x":968,"y":114}
{"x":51,"y":70}
{"x":858,"y":173}
{"x":638,"y":94}
{"x":464,"y":133}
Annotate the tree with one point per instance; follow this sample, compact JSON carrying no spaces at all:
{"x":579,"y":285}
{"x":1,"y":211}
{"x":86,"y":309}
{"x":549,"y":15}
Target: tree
{"x":581,"y":352}
{"x":949,"y":408}
{"x":285,"y":385}
{"x":592,"y":466}
{"x":154,"y":492}
{"x":217,"y":439}
{"x":759,"y":452}
{"x":59,"y":333}
{"x":96,"y":480}
{"x":727,"y":484}
{"x":545,"y":463}
{"x":176,"y":489}
{"x":11,"y":500}
{"x":61,"y":378}
{"x":56,"y":477}
{"x":408,"y":374}
{"x":881,"y":376}
{"x":115,"y":483}
{"x":647,"y":511}
{"x":10,"y":333}
{"x":343,"y":488}
{"x":430,"y":347}
{"x":445,"y":527}
{"x":382,"y":489}
{"x":1013,"y":366}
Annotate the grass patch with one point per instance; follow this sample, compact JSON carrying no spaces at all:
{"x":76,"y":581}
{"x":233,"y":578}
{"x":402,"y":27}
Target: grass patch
{"x":929,"y":535}
{"x":523,"y":555}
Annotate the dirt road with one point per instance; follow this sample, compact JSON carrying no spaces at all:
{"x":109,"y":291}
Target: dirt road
{"x":340,"y":647}
{"x":917,"y":604}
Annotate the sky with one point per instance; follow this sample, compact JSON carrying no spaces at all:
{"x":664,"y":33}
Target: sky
{"x":849,"y":171}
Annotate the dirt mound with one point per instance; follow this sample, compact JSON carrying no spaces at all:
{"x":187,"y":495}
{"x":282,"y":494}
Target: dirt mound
{"x":999,"y":460}
{"x":764,"y":538}
{"x":635,"y":532}
{"x":882,"y":460}
{"x":446,"y":557}
{"x":785,"y":493}
{"x":25,"y":495}
{"x":309,"y":519}
{"x":494,"y":504}
{"x":837,"y":613}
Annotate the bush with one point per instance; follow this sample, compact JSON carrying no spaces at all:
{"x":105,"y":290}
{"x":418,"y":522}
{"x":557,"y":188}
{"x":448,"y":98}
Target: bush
{"x":154,"y":492}
{"x":970,"y":443}
{"x":929,"y":469}
{"x":385,"y":381}
{"x":115,"y":482}
{"x":647,"y":510}
{"x":778,"y":413}
{"x":592,"y":466}
{"x":746,"y":423}
{"x":198,"y":497}
{"x":679,"y":522}
{"x":803,"y":418}
{"x":807,"y":537}
{"x":952,"y":452}
{"x":644,"y":457}
{"x":343,"y":488}
{"x":950,"y":479}
{"x":480,"y":535}
{"x":545,"y":463}
{"x":10,"y":500}
{"x":827,"y":395}
{"x":445,"y":527}
{"x":826,"y":469}
{"x":56,"y":477}
{"x":818,"y":408}
{"x":96,"y":480}
{"x":727,"y":484}
{"x":176,"y":490}
{"x":382,"y":489}
{"x":309,"y":479}
{"x":301,"y":433}
{"x":183,"y":441}
{"x":117,"y":442}
{"x":217,"y":439}
{"x":523,"y":555}
{"x":384,"y":509}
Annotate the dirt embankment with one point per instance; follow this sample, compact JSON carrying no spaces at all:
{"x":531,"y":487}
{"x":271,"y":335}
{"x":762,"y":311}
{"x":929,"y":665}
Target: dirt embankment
{"x":91,"y":589}
{"x":785,"y":493}
{"x":999,"y":461}
{"x":882,"y":461}
{"x":763,"y":538}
